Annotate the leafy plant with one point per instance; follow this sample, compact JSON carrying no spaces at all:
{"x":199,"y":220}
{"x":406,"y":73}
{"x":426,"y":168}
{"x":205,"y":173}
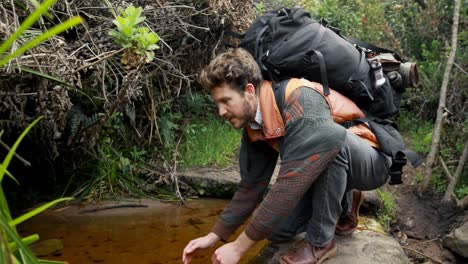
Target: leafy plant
{"x":419,"y":131}
{"x":260,"y":8}
{"x":14,"y":248}
{"x":113,"y":174}
{"x":461,"y":191}
{"x":138,"y":42}
{"x":209,"y":142}
{"x":419,"y":177}
{"x":27,"y":23}
{"x":385,"y":215}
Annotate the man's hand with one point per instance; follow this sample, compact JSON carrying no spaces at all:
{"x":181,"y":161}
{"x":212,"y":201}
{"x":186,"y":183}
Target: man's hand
{"x":199,"y":243}
{"x":232,"y":252}
{"x":227,"y":254}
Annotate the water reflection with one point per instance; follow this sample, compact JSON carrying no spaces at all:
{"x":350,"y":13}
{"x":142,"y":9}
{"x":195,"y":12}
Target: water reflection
{"x":154,"y":234}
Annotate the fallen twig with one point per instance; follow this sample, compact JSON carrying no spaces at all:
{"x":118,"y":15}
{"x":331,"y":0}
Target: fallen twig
{"x":112,"y":207}
{"x":422,"y":254}
{"x":25,"y":162}
{"x":99,"y":60}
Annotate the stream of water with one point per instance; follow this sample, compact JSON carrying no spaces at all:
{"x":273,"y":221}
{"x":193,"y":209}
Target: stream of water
{"x":153,"y":234}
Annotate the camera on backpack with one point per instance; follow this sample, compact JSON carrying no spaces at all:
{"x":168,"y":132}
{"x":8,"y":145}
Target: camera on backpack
{"x":400,"y":74}
{"x":409,"y":73}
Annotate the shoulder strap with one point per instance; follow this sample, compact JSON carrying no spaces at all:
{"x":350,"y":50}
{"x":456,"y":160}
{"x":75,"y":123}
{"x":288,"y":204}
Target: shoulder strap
{"x":279,"y":89}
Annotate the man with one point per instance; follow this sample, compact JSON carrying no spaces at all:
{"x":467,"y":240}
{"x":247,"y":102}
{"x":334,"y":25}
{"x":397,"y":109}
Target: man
{"x":321,"y":163}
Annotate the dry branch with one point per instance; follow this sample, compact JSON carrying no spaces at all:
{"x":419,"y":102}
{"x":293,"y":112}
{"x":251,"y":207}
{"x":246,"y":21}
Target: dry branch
{"x":454,"y":179}
{"x":422,"y":254}
{"x":442,"y":98}
{"x":23,"y":160}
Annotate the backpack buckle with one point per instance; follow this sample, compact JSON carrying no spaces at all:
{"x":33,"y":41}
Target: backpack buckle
{"x":395,"y":177}
{"x":396,"y":170}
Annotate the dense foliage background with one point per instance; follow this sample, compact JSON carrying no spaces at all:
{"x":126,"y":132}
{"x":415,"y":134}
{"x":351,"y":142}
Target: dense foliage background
{"x":116,"y":124}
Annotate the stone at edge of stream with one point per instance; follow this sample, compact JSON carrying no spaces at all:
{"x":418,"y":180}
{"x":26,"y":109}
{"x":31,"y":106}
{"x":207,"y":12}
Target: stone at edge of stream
{"x":211,"y":182}
{"x":362,"y":247}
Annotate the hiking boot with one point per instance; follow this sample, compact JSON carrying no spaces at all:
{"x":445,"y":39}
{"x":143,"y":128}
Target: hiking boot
{"x":304,"y":253}
{"x":347,"y":224}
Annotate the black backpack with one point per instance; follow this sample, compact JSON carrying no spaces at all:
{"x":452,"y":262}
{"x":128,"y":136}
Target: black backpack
{"x":288,"y":43}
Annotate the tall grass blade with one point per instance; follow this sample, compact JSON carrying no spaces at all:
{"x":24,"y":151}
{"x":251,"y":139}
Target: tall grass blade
{"x":5,"y":253}
{"x":4,"y":205}
{"x":12,"y":151}
{"x":50,"y":77}
{"x":27,"y":23}
{"x":52,"y":262}
{"x":3,"y":167}
{"x":11,"y":177}
{"x":36,"y":41}
{"x":45,"y":75}
{"x":26,"y":240}
{"x":37,"y":211}
{"x":26,"y":254}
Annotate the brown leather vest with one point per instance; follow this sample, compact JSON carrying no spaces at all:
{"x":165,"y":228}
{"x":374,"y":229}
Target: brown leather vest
{"x":342,"y":110}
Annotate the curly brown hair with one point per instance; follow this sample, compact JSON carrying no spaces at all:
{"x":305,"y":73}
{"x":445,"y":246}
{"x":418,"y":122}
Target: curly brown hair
{"x":235,"y":67}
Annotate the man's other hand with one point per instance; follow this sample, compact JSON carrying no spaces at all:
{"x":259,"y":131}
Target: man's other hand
{"x":199,"y":243}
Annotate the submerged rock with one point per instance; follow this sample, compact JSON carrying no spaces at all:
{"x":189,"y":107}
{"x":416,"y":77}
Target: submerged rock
{"x":47,"y":247}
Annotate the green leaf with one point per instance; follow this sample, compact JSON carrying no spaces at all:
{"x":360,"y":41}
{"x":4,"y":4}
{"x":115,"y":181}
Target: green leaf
{"x":36,"y":41}
{"x":51,"y":262}
{"x":36,"y":4}
{"x":143,"y":30}
{"x":153,"y":47}
{"x":30,"y":20}
{"x":118,"y":23}
{"x":139,"y":20}
{"x":11,"y":177}
{"x":26,"y":240}
{"x":26,"y":254}
{"x":4,"y":209}
{"x":36,"y":211}
{"x":127,"y":31}
{"x":10,"y":154}
{"x":47,"y":76}
{"x":149,"y":56}
{"x":152,"y":37}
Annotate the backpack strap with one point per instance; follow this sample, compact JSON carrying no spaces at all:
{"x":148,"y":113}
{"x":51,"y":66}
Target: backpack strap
{"x":279,"y":90}
{"x":323,"y":72}
{"x":321,"y":60}
{"x":258,"y":52}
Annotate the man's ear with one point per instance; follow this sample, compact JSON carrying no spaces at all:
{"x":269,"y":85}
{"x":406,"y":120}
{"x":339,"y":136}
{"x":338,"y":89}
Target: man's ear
{"x":250,"y":90}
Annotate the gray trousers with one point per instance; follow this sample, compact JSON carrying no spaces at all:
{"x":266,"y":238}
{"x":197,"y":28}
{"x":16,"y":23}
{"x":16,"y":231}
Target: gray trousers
{"x":357,"y":166}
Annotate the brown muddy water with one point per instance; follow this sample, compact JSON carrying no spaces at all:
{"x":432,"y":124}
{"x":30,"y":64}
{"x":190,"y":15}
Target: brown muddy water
{"x":154,"y":234}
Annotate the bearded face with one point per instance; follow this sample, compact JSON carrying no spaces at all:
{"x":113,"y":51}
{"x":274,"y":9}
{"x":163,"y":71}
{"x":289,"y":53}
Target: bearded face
{"x":235,"y":107}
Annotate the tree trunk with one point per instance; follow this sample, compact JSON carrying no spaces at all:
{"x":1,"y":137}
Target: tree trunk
{"x":453,"y":182}
{"x":443,"y":94}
